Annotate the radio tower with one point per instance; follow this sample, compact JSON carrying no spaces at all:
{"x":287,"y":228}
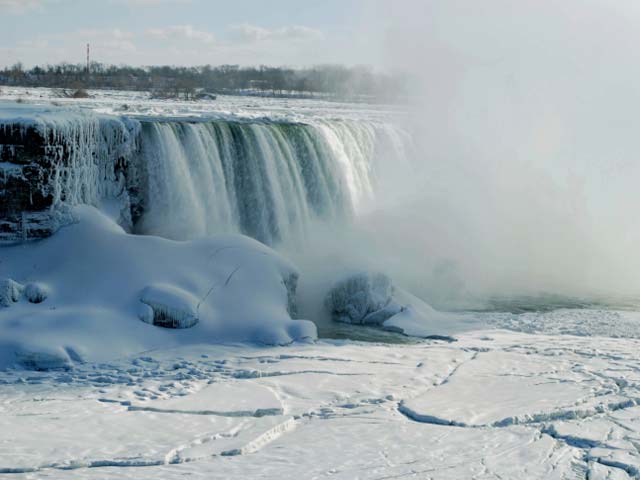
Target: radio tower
{"x":87,"y":59}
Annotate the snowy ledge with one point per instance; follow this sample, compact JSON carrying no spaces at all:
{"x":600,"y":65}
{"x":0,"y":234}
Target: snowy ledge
{"x":103,"y":286}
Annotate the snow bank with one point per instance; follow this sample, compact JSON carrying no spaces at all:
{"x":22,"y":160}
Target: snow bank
{"x":97,"y":279}
{"x":372,"y":299}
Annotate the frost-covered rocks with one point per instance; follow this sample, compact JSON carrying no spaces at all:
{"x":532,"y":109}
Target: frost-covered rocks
{"x":291,"y":284}
{"x":363,"y":298}
{"x":372,"y":299}
{"x":168,"y":307}
{"x":10,"y":292}
{"x":36,"y":292}
{"x":98,"y":280}
{"x":52,"y":157}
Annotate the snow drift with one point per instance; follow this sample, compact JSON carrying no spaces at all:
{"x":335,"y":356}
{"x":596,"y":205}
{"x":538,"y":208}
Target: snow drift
{"x":102,"y":293}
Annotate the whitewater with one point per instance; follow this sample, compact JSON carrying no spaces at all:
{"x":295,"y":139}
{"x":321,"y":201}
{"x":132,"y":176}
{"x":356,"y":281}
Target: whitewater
{"x":274,"y":237}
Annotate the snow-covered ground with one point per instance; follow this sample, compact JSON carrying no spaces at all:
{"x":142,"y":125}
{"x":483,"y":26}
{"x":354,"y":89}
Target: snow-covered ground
{"x":135,"y":103}
{"x":493,"y":405}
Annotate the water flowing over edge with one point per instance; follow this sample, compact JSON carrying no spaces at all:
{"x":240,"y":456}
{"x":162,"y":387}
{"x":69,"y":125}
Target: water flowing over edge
{"x":186,"y":179}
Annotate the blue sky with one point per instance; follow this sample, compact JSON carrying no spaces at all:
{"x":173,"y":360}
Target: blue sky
{"x":187,"y":32}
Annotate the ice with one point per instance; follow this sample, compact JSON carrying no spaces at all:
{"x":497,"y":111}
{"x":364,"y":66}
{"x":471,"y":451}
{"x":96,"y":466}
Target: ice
{"x":333,"y":409}
{"x":507,"y":378}
{"x":83,"y":147}
{"x":10,"y":292}
{"x":363,"y":298}
{"x":231,"y":399}
{"x":171,"y":307}
{"x":372,"y":299}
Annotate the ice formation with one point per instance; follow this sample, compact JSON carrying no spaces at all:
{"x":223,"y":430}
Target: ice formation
{"x":367,"y":298}
{"x":363,"y":298}
{"x":10,"y":292}
{"x":169,"y":307}
{"x":60,"y":158}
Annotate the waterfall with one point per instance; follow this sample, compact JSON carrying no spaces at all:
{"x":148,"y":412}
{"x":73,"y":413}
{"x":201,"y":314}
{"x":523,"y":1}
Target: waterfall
{"x":269,"y":180}
{"x":187,"y":179}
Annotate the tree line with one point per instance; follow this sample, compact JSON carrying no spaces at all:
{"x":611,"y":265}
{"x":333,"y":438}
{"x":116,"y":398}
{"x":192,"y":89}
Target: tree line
{"x":331,"y":81}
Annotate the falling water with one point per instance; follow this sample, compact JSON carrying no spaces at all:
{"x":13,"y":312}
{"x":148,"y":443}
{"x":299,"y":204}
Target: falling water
{"x":268,"y":180}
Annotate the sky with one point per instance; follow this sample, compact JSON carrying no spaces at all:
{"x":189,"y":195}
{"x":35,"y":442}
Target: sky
{"x":185,"y":32}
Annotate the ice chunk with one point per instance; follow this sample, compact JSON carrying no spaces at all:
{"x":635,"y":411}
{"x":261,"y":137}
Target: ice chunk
{"x":357,"y":297}
{"x":372,"y":299}
{"x":36,"y":292}
{"x":172,"y":307}
{"x":145,"y":313}
{"x":10,"y":292}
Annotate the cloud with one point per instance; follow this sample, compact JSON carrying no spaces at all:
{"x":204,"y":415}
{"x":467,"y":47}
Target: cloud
{"x":19,"y":6}
{"x":101,"y":40}
{"x":253,"y":33}
{"x":151,"y":3}
{"x":181,"y":32}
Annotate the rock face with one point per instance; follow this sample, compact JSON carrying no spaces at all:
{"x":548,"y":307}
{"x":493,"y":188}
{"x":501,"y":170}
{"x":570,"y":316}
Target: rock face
{"x":291,"y":284}
{"x":52,"y":159}
{"x":25,"y":174}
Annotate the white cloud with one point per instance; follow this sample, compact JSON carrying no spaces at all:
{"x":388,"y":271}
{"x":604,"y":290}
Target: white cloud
{"x":181,"y":32}
{"x":147,"y":3}
{"x":19,"y":6}
{"x":107,"y":45}
{"x":253,"y":33}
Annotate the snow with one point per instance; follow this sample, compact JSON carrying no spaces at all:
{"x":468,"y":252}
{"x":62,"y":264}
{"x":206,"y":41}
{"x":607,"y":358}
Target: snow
{"x":97,"y":275}
{"x":333,"y":409}
{"x":36,"y":292}
{"x":225,"y":107}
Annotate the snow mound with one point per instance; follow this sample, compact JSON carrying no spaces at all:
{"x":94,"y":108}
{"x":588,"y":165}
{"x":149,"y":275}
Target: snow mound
{"x":372,"y":299}
{"x":36,"y":292}
{"x":98,"y":281}
{"x":171,"y":307}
